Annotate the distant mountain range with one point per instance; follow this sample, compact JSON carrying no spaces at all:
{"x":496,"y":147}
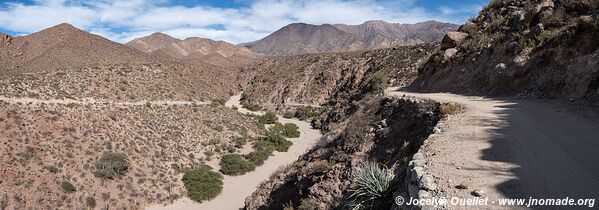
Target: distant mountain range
{"x":193,"y":49}
{"x":301,"y":38}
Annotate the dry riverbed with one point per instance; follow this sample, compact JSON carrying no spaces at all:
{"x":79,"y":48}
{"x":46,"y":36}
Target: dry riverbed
{"x":237,"y":188}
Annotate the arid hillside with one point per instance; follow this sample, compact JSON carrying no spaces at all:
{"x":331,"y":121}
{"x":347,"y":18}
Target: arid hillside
{"x":194,"y":50}
{"x":316,"y":79}
{"x":527,"y":48}
{"x":301,"y":38}
{"x":64,"y":46}
{"x":45,"y":145}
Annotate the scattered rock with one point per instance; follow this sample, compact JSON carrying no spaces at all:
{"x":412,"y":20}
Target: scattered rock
{"x":545,"y":5}
{"x":436,"y":130}
{"x":418,"y":156}
{"x":463,"y":185}
{"x":428,"y":183}
{"x":478,"y":193}
{"x":453,"y":39}
{"x":449,"y":53}
{"x":423,"y":194}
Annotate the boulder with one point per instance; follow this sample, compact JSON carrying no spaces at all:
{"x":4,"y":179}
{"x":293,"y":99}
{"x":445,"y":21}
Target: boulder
{"x":545,"y":5}
{"x":449,"y":53}
{"x":5,"y":39}
{"x":469,"y":27}
{"x":428,"y":183}
{"x":585,"y":22}
{"x":453,"y":39}
{"x":517,"y":18}
{"x":500,"y":76}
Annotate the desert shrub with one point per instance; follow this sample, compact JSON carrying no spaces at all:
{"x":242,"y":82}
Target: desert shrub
{"x":278,"y":141}
{"x":202,"y":183}
{"x":316,"y":123}
{"x":268,"y":118}
{"x":51,"y":169}
{"x":278,"y":127}
{"x":251,"y":107}
{"x":90,"y":202}
{"x":258,"y":156}
{"x":111,"y":164}
{"x":378,"y":82}
{"x":291,"y":131}
{"x":374,"y":187}
{"x":289,"y":114}
{"x":306,"y":112}
{"x":234,"y":164}
{"x":450,"y":108}
{"x":67,"y":187}
{"x":306,"y":204}
{"x":239,"y":141}
{"x":217,"y":102}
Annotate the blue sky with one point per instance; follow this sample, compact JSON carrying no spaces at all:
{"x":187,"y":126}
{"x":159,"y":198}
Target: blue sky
{"x":234,"y":21}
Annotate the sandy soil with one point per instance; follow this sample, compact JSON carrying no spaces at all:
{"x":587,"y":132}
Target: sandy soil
{"x":513,"y":149}
{"x":237,"y":188}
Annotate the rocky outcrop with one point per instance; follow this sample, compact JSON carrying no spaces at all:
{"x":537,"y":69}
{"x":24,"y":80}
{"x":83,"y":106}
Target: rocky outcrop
{"x":547,"y":49}
{"x":317,"y":79}
{"x":453,"y":39}
{"x":387,"y":130}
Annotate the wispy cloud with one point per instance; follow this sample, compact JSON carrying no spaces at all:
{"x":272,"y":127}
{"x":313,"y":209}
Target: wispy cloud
{"x":122,"y":21}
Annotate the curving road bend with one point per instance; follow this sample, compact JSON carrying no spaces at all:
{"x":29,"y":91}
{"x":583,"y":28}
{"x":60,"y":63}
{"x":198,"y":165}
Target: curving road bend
{"x":513,"y":148}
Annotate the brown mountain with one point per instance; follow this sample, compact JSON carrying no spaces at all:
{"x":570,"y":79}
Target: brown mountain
{"x":301,"y":38}
{"x":63,"y":46}
{"x":193,"y":49}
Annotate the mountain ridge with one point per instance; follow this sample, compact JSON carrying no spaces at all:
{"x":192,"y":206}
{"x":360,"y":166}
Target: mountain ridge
{"x":303,"y":38}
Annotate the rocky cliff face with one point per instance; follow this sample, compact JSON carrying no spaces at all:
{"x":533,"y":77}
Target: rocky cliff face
{"x":525,"y":48}
{"x":317,"y":78}
{"x":300,"y":38}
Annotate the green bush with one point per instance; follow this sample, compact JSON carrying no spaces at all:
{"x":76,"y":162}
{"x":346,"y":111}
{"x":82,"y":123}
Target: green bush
{"x":306,"y":112}
{"x":269,"y":118}
{"x":291,"y":131}
{"x":289,"y":115}
{"x":374,"y":187}
{"x":202,"y":183}
{"x":278,"y":127}
{"x":378,"y":82}
{"x":111,"y":164}
{"x":91,"y":202}
{"x":278,"y":141}
{"x":258,"y":156}
{"x":67,"y":187}
{"x":234,"y":164}
{"x":217,"y":102}
{"x":251,"y":107}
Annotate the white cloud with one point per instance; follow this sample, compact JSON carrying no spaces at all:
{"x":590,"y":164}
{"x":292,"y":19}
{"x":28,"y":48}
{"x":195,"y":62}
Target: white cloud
{"x":122,"y":21}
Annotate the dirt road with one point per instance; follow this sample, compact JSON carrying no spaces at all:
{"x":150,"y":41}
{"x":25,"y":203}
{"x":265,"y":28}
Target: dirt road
{"x":514,"y":149}
{"x":237,"y":188}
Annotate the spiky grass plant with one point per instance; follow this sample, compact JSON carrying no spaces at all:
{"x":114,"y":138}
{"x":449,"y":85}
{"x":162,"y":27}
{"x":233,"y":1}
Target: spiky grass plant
{"x":374,"y":186}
